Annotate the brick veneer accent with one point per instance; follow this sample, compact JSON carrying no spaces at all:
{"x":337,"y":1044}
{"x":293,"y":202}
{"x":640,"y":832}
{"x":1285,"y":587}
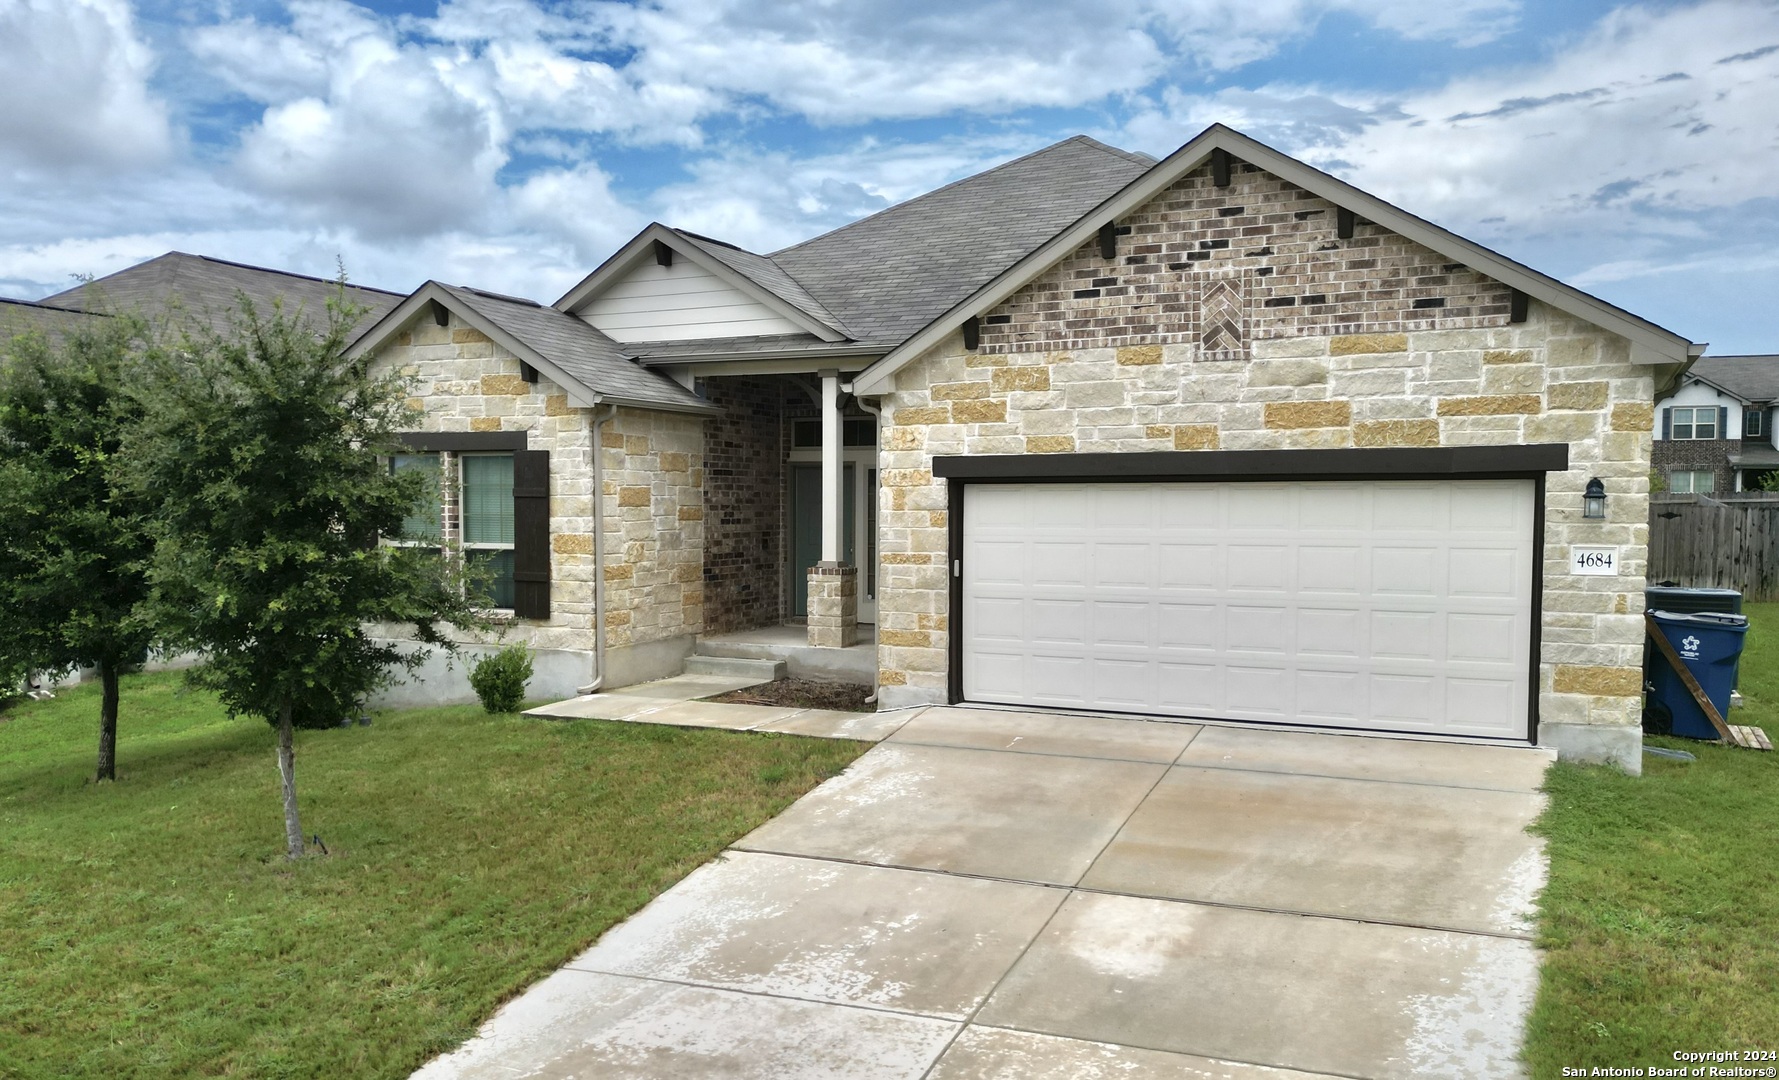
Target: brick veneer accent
{"x":744,"y":497}
{"x":1223,"y":267}
{"x":1695,"y":454}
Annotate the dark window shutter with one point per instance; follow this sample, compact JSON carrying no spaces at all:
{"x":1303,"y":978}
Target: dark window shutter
{"x":531,"y":534}
{"x":1667,"y":424}
{"x":1723,"y":421}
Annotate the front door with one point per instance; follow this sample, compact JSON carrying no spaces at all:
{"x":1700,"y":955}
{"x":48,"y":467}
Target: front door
{"x":856,"y":519}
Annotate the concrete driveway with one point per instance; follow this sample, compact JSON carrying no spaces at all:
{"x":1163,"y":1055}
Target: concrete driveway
{"x":999,"y":894}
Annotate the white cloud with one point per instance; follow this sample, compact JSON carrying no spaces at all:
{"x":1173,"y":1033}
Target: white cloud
{"x":77,"y":91}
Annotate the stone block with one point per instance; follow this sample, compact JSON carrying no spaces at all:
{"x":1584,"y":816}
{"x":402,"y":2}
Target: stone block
{"x":1287,"y":373}
{"x":1285,"y":415}
{"x":1515,"y":379}
{"x":1097,"y":394}
{"x":484,"y":423}
{"x":1508,"y":356}
{"x":1396,"y":433}
{"x":638,"y":495}
{"x":1633,"y":416}
{"x":1352,"y":344}
{"x":572,"y":543}
{"x":960,"y":391}
{"x":1139,"y":355}
{"x":505,"y":385}
{"x":1195,"y":437}
{"x":1491,"y":405}
{"x":935,"y":414}
{"x":1050,"y":444}
{"x":557,"y":405}
{"x":1576,"y":395}
{"x":979,"y":412}
{"x":1021,"y":378}
{"x":1598,"y":681}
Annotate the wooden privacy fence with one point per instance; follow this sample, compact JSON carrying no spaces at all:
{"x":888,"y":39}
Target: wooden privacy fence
{"x":1726,"y":541}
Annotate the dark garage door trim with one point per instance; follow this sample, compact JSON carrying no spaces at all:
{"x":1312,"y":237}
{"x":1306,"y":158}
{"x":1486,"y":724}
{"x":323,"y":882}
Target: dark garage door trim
{"x":1222,"y":466}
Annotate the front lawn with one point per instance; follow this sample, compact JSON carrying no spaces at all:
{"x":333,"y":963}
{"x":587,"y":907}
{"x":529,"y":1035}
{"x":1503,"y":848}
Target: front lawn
{"x":1661,"y":920}
{"x":152,"y":927}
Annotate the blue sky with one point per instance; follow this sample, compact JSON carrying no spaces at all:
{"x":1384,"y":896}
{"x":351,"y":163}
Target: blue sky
{"x":1632,"y":150}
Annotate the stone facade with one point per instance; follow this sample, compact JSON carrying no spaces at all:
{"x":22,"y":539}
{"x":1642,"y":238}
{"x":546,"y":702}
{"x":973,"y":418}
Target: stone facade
{"x":461,"y":381}
{"x":744,"y":492}
{"x":1371,"y":368}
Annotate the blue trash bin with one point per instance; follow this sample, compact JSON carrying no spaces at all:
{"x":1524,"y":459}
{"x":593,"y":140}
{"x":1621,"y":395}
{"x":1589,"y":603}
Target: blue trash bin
{"x":1710,"y":645}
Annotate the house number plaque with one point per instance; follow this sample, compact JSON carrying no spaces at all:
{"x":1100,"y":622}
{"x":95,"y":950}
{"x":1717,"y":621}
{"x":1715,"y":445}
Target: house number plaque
{"x":1594,"y":561}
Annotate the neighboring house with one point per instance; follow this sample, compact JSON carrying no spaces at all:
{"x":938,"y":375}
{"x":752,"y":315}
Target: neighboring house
{"x":1716,"y":433}
{"x":1216,"y":436}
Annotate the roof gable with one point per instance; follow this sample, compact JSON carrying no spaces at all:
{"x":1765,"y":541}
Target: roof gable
{"x":692,"y":293}
{"x":1650,"y":343}
{"x":1746,"y":378}
{"x":590,"y":367}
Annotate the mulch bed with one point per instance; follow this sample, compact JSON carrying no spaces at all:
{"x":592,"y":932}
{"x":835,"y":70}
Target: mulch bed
{"x":802,"y":694}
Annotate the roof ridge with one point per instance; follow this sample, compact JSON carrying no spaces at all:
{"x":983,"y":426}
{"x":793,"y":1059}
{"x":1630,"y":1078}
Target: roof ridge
{"x":266,"y":270}
{"x":714,"y":240}
{"x":938,"y":190}
{"x":1133,"y":156}
{"x":527,"y":301}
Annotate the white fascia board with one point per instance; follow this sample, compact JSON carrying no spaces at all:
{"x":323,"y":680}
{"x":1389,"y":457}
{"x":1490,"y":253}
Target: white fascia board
{"x":1658,"y":345}
{"x":579,"y":394}
{"x":643,"y":247}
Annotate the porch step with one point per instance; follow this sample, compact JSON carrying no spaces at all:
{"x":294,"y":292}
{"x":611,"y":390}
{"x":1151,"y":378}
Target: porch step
{"x":741,"y":667}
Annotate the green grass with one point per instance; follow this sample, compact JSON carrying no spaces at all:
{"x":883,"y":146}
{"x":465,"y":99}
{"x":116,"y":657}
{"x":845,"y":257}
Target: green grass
{"x":152,"y":927}
{"x":1661,"y":920}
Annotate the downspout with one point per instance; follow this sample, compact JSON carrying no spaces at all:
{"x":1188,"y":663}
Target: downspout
{"x":877,"y":412}
{"x":596,"y":421}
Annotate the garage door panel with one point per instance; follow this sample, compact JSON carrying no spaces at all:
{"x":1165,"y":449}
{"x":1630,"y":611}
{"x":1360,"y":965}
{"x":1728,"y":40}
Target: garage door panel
{"x":1190,"y":566}
{"x":1382,"y":605}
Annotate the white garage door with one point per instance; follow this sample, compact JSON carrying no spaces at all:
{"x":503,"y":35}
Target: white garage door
{"x":1376,"y":605}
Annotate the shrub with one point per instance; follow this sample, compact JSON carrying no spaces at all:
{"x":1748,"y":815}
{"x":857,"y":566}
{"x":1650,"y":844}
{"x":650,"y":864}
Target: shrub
{"x":499,"y":680}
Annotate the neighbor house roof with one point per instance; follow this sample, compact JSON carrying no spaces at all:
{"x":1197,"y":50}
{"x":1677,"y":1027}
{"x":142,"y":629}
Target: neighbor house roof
{"x":589,"y":366}
{"x":1748,"y":378}
{"x":209,"y":290}
{"x":23,"y":316}
{"x":1650,"y":343}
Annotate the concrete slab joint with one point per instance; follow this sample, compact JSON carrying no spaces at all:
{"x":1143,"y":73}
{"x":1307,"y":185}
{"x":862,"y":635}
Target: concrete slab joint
{"x":833,"y":605}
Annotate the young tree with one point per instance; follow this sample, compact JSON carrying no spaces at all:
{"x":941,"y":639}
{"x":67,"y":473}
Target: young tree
{"x":74,"y":546}
{"x":264,"y":449}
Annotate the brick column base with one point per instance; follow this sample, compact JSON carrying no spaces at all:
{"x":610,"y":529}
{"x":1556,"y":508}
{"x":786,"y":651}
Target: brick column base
{"x":833,"y":605}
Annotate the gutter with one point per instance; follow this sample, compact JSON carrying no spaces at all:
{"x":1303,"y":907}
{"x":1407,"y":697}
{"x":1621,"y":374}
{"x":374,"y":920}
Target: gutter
{"x":595,"y":421}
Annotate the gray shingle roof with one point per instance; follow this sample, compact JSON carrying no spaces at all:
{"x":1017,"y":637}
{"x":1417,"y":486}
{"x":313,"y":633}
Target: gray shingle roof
{"x":591,"y":358}
{"x":24,"y":316}
{"x":206,"y":290}
{"x":1751,"y":378}
{"x":889,"y":275}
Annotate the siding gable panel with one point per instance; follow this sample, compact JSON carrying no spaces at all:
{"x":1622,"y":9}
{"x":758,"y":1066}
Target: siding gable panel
{"x":679,"y":302}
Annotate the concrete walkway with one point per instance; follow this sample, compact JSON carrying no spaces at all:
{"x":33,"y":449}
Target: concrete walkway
{"x":999,"y":895}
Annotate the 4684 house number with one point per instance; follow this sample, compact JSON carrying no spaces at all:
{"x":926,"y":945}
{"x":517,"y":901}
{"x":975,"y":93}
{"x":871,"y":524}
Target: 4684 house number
{"x":1595,"y":561}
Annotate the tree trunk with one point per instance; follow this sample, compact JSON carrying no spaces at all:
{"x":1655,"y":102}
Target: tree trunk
{"x":293,"y":827}
{"x":107,"y":722}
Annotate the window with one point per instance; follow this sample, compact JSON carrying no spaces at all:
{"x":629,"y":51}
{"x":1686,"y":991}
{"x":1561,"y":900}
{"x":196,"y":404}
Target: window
{"x":1753,"y":422}
{"x":486,"y":520}
{"x":1695,"y":481}
{"x":423,"y":525}
{"x":1696,"y":422}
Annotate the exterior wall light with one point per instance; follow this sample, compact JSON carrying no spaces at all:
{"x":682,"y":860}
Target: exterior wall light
{"x":1593,"y":500}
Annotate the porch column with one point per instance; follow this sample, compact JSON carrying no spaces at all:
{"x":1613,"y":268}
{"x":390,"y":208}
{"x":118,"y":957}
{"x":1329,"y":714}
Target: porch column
{"x":833,"y":586}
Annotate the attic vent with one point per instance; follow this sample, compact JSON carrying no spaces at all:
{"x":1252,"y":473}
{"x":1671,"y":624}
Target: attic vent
{"x":527,"y":372}
{"x":439,"y":313}
{"x":663,"y":254}
{"x":1343,"y":223}
{"x":1220,"y":167}
{"x":972,"y":333}
{"x":1109,"y":240}
{"x":1519,"y":307}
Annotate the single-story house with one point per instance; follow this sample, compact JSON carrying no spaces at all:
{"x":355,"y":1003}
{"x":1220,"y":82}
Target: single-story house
{"x":1216,"y":436}
{"x":1716,"y":432}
